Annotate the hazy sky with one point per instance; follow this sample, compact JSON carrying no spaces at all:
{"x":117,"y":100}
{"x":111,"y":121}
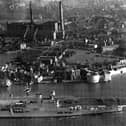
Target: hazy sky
{"x":22,"y":3}
{"x":40,"y":2}
{"x":17,"y":8}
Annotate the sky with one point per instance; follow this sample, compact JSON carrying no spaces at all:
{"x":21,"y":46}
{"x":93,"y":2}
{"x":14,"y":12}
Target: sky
{"x":40,"y":2}
{"x":17,"y":8}
{"x":22,"y":3}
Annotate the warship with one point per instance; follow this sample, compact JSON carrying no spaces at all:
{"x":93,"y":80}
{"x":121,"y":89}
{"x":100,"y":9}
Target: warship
{"x":30,"y":107}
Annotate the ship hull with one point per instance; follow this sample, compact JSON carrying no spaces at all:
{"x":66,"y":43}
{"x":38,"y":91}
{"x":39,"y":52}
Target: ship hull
{"x":54,"y":115}
{"x":118,"y":71}
{"x":62,"y":107}
{"x":93,"y":78}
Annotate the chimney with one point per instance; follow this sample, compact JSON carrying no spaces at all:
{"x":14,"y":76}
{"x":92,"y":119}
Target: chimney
{"x":61,"y":19}
{"x":30,"y":10}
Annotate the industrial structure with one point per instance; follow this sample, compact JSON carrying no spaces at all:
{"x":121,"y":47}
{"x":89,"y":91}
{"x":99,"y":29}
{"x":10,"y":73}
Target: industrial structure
{"x":30,"y":30}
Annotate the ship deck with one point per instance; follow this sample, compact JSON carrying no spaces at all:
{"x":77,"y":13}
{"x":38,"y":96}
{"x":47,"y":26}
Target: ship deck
{"x":48,"y":108}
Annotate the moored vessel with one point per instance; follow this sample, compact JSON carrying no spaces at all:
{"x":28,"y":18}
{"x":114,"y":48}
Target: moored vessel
{"x":105,"y":76}
{"x":5,"y":83}
{"x":119,"y":69}
{"x":93,"y":77}
{"x":25,"y":108}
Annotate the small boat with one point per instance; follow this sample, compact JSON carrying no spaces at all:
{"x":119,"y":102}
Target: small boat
{"x":27,"y":90}
{"x":8,"y":82}
{"x":105,"y":76}
{"x":5,"y":83}
{"x":119,"y":69}
{"x":93,"y":77}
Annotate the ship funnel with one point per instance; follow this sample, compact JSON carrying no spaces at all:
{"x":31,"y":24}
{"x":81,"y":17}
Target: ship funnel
{"x":61,"y":19}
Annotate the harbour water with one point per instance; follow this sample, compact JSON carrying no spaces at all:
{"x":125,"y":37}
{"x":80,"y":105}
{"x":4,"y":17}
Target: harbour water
{"x":100,"y":120}
{"x":115,"y":88}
